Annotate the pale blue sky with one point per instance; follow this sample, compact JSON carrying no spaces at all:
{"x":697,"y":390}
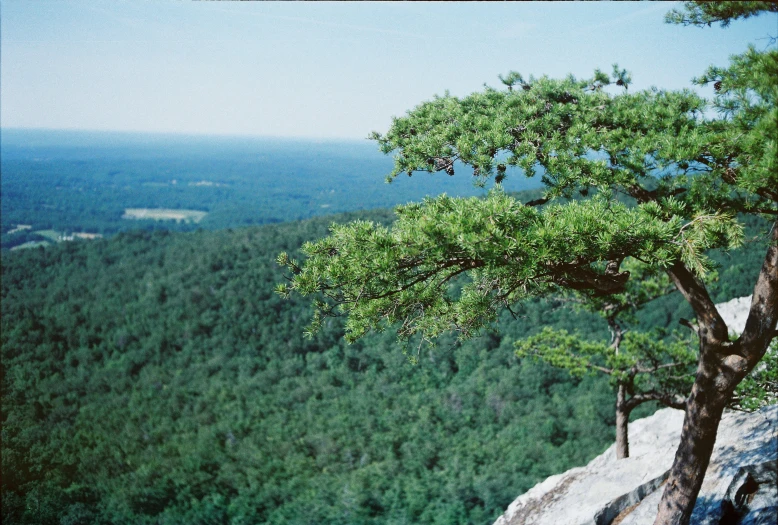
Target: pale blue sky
{"x":329,"y":70}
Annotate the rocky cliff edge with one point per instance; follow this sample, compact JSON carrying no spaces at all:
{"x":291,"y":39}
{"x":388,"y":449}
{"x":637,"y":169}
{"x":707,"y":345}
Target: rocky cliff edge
{"x":740,"y":487}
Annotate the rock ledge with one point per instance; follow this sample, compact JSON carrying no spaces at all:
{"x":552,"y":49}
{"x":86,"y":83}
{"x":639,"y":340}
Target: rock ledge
{"x":740,"y":486}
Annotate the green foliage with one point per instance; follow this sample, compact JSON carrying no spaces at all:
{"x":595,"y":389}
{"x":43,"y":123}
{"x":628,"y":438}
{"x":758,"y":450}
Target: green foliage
{"x":685,"y":187}
{"x":657,"y":361}
{"x":380,"y":276}
{"x":621,"y":77}
{"x":156,"y":378}
{"x":646,"y":284}
{"x":511,"y":79}
{"x":760,"y":388}
{"x":563,"y":350}
{"x":746,"y":96}
{"x":707,"y":13}
{"x":556,"y":124}
{"x":642,"y":366}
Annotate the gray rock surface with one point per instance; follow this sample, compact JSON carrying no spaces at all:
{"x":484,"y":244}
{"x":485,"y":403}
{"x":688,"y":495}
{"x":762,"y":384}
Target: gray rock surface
{"x":740,"y":479}
{"x":749,"y":497}
{"x":735,"y":313}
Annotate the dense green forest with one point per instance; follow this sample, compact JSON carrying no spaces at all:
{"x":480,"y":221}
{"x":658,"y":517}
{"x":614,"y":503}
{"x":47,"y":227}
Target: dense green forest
{"x":154,"y":377}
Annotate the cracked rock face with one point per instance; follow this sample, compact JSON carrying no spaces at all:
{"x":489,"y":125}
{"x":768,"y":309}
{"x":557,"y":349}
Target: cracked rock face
{"x":749,"y":498}
{"x":739,"y":488}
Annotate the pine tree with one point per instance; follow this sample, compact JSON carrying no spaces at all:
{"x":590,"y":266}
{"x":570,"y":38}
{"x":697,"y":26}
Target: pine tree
{"x":654,"y":180}
{"x":643,"y":366}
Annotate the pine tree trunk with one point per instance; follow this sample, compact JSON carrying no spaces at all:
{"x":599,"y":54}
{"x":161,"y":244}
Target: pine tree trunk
{"x":704,"y":409}
{"x":722,"y":365}
{"x":622,"y":421}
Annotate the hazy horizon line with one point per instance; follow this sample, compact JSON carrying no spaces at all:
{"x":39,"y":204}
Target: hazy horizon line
{"x":183,"y":134}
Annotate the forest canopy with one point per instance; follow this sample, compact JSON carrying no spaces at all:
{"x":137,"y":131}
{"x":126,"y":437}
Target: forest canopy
{"x":155,"y":376}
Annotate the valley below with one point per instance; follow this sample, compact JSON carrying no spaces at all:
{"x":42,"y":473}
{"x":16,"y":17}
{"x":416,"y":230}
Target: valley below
{"x":150,"y":374}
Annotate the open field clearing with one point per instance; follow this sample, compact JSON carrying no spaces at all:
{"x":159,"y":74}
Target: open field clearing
{"x":164,"y":214}
{"x":79,"y":235}
{"x":31,"y":244}
{"x":52,"y":235}
{"x":20,"y":228}
{"x":84,"y":235}
{"x":208,"y":183}
{"x":55,"y":236}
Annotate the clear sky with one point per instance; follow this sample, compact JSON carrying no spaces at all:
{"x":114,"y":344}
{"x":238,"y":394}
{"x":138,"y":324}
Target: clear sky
{"x":327,"y":69}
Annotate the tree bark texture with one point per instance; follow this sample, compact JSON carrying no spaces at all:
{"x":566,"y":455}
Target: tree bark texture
{"x":722,"y":365}
{"x":622,"y":422}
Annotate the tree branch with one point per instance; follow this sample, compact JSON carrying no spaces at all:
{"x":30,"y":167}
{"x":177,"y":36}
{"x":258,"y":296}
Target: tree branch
{"x":711,"y":324}
{"x":617,"y":334}
{"x":600,"y":368}
{"x":536,"y":202}
{"x":658,"y":367}
{"x":665,"y":398}
{"x":641,"y":194}
{"x":583,"y":278}
{"x":763,"y":314}
{"x":693,"y":327}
